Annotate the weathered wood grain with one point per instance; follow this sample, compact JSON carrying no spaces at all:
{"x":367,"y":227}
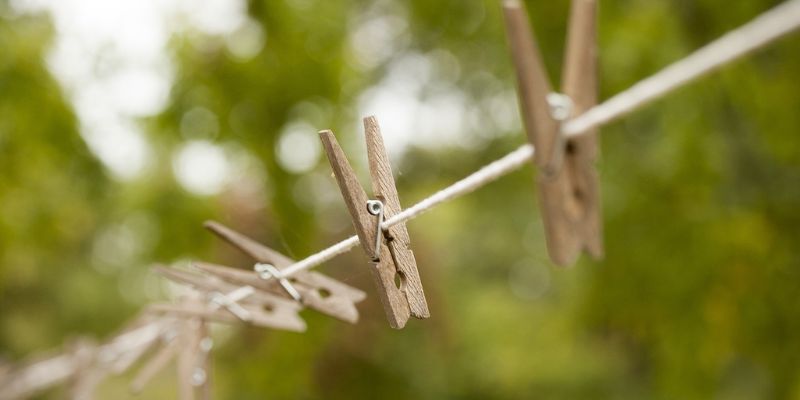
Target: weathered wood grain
{"x":582,"y":198}
{"x":533,"y":88}
{"x":393,"y":299}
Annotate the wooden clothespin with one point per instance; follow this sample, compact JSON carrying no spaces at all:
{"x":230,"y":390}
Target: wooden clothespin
{"x":230,"y":303}
{"x":87,"y":374}
{"x":190,"y":343}
{"x":568,"y":187}
{"x":194,"y":362}
{"x":395,"y":271}
{"x":142,"y":333}
{"x":315,"y":290}
{"x":169,"y":347}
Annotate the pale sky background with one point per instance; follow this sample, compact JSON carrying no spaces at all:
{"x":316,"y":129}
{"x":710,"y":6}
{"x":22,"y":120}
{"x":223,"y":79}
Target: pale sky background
{"x":112,"y":59}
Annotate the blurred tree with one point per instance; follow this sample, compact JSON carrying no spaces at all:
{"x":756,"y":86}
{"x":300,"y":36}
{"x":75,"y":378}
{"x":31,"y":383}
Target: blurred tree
{"x":52,"y":194}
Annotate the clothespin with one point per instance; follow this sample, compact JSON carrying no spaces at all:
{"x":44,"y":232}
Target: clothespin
{"x":170,"y":344}
{"x":190,"y":343}
{"x":87,"y":374}
{"x":142,"y":333}
{"x":315,"y":290}
{"x":194,"y":363}
{"x":567,"y":181}
{"x":395,"y":270}
{"x":230,"y":303}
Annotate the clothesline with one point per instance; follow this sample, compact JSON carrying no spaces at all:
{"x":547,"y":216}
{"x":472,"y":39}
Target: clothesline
{"x":764,"y":29}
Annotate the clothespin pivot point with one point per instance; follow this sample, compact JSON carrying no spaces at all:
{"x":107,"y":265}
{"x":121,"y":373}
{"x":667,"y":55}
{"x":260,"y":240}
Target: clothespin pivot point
{"x":268,"y":271}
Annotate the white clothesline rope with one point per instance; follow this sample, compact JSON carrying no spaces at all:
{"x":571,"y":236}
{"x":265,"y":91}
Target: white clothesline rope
{"x":767,"y":27}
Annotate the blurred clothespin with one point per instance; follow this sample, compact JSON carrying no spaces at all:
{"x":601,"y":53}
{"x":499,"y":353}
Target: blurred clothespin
{"x":395,"y":271}
{"x":567,"y":181}
{"x":137,"y":338}
{"x":169,"y":346}
{"x":314,"y":289}
{"x":194,"y":361}
{"x":228,"y":303}
{"x":190,"y":343}
{"x":87,"y":374}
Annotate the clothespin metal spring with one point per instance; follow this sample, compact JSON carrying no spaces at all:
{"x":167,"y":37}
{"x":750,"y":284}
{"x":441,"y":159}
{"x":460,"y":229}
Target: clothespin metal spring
{"x":375,"y":207}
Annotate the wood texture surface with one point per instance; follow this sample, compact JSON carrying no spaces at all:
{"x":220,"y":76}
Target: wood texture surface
{"x":533,"y":88}
{"x":318,"y":291}
{"x":583,"y":201}
{"x":393,"y":299}
{"x":398,"y":241}
{"x":257,"y":251}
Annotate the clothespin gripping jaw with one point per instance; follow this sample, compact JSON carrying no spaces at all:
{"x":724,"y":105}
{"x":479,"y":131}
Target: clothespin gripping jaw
{"x":533,"y":89}
{"x":580,"y":83}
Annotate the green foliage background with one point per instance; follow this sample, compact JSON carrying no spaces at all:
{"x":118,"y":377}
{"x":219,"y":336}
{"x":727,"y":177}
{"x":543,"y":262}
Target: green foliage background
{"x":698,"y":296}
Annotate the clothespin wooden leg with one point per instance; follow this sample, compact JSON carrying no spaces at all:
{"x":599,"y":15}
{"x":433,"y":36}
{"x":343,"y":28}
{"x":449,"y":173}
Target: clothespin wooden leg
{"x":534,"y":87}
{"x":192,"y":376}
{"x":87,"y":376}
{"x":204,"y":362}
{"x":580,"y":84}
{"x":155,"y":364}
{"x":394,"y":301}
